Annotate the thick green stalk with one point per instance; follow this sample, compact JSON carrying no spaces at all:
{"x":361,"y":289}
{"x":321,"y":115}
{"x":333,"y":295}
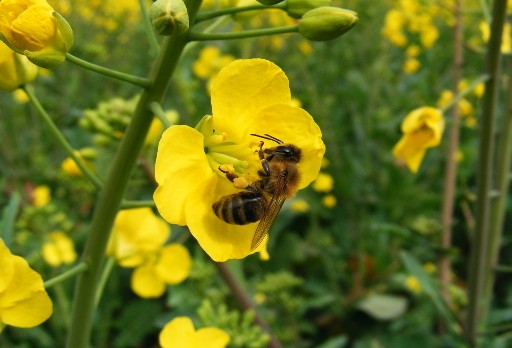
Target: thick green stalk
{"x":478,"y":262}
{"x":111,"y":195}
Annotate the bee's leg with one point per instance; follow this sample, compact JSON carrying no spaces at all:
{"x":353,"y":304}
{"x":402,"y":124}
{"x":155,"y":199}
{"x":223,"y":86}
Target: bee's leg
{"x":231,"y":177}
{"x":264,"y":161}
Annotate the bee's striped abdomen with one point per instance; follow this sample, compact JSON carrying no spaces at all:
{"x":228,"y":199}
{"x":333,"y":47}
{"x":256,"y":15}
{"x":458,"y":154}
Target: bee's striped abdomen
{"x":240,"y":208}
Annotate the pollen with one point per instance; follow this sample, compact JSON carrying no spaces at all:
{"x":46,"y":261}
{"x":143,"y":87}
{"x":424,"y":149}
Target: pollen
{"x":240,"y":182}
{"x":228,"y":168}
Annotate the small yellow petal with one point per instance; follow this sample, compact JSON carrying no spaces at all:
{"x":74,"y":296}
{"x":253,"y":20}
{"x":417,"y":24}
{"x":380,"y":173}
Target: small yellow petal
{"x":174,"y":264}
{"x":146,"y":283}
{"x":177,"y":333}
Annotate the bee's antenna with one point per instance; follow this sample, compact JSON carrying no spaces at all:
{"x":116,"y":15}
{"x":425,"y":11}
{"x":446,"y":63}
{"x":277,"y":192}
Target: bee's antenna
{"x":268,"y":137}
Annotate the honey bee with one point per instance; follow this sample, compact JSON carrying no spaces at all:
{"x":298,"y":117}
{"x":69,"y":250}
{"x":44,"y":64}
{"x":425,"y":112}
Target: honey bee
{"x":262,"y":200}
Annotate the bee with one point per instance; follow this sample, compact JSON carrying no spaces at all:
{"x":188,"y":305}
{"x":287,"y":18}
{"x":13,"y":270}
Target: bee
{"x":262,"y":200}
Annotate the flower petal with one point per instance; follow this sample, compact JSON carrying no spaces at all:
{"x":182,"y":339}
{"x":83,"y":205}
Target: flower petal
{"x":7,"y":263}
{"x":220,"y":240}
{"x":216,"y":338}
{"x":293,"y":125}
{"x":181,"y":164}
{"x":174,"y":264}
{"x":177,"y":333}
{"x":242,"y":89}
{"x":24,"y":302}
{"x":146,"y":283}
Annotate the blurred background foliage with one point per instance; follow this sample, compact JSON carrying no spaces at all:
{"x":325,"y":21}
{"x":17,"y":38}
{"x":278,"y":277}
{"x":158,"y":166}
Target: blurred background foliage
{"x":352,"y":258}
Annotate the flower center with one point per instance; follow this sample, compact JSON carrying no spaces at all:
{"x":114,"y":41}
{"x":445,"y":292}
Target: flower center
{"x":221,"y":152}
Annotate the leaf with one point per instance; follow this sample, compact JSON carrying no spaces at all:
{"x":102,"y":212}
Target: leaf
{"x":383,"y":307}
{"x":8,"y":217}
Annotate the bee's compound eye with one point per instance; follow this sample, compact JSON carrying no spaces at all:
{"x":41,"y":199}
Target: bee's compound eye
{"x":284,"y":151}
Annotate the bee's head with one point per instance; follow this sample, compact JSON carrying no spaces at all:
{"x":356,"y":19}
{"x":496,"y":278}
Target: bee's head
{"x":287,"y":153}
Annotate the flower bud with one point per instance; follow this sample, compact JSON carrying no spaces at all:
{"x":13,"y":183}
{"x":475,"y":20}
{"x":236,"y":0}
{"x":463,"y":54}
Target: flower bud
{"x":169,"y":17}
{"x":269,"y":2}
{"x":36,"y":30}
{"x":326,"y":23}
{"x":297,"y":8}
{"x":15,"y":69}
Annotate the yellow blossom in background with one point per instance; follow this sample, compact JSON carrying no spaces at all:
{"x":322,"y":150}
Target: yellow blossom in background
{"x":422,"y":128}
{"x":20,"y":96}
{"x":41,"y":196}
{"x":70,"y":167}
{"x":413,"y":51}
{"x":299,"y":206}
{"x":181,"y":333}
{"x":23,"y":298}
{"x":506,"y":42}
{"x":154,"y":132}
{"x":479,"y":90}
{"x":412,"y":283}
{"x":137,"y":241}
{"x":259,"y":298}
{"x":411,"y":65}
{"x":323,"y":183}
{"x":249,"y":96}
{"x":210,"y":61}
{"x":465,"y":107}
{"x":59,"y":249}
{"x":305,"y":47}
{"x":393,"y":28}
{"x":15,"y":69}
{"x":329,"y":201}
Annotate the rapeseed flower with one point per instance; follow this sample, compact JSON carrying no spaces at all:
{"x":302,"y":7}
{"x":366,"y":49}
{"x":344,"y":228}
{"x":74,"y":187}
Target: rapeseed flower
{"x":180,"y":333}
{"x":248,"y":97}
{"x":137,"y":241}
{"x":59,"y":249}
{"x":23,"y":298}
{"x":422,"y":128}
{"x":323,"y":183}
{"x":35,"y":29}
{"x":412,"y":284}
{"x":15,"y":69}
{"x":41,"y":196}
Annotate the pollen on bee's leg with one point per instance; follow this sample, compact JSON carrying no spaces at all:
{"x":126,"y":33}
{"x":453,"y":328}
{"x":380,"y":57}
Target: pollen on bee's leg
{"x":240,"y":182}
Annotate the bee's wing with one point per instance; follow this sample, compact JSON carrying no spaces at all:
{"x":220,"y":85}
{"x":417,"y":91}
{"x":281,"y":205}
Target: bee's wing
{"x":271,"y":211}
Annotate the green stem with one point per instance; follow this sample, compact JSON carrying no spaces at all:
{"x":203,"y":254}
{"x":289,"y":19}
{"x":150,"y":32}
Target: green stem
{"x":81,"y":267}
{"x":233,"y":10}
{"x":111,"y":195}
{"x":148,"y":28}
{"x":60,"y":138}
{"x":137,"y":204}
{"x":196,"y":36}
{"x":478,"y":262}
{"x":138,"y":81}
{"x":107,"y":268}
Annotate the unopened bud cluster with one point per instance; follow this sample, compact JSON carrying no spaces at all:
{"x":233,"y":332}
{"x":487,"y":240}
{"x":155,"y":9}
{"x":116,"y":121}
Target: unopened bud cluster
{"x":169,"y":17}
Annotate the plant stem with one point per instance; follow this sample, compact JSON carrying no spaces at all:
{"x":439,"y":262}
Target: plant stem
{"x":148,"y":28}
{"x":135,"y":80}
{"x":111,"y":195}
{"x":204,"y":16}
{"x":137,"y":204}
{"x":478,"y":262}
{"x":244,"y":301}
{"x":60,"y":138}
{"x":81,"y":267}
{"x":450,"y":174}
{"x":196,"y":36}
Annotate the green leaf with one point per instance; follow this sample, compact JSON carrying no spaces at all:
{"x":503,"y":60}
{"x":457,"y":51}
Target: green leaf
{"x":8,"y":218}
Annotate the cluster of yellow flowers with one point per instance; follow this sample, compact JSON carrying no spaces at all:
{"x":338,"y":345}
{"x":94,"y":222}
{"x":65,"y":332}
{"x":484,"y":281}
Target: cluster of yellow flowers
{"x":138,"y":241}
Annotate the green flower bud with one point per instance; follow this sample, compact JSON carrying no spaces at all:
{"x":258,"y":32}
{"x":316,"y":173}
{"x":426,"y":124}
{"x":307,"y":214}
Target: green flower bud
{"x":269,"y":2}
{"x":297,"y":8}
{"x":169,"y":17}
{"x":326,"y":23}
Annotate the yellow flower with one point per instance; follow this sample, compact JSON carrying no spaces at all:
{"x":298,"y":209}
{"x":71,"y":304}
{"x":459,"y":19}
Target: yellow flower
{"x":248,"y":97}
{"x":323,"y":183}
{"x":20,"y":96}
{"x":430,"y":268}
{"x":413,"y":284}
{"x":210,"y":61}
{"x":137,"y":241}
{"x":41,"y":196}
{"x":479,"y":90}
{"x":154,"y":131}
{"x":34,"y":28}
{"x":59,"y":249}
{"x":15,"y":69}
{"x":411,"y":65}
{"x":180,"y":333}
{"x":299,"y":206}
{"x":329,"y":201}
{"x":23,"y":299}
{"x":422,"y":128}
